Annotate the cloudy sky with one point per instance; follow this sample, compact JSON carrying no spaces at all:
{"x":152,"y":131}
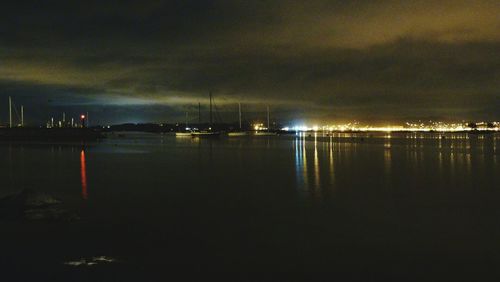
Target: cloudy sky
{"x":311,"y":61}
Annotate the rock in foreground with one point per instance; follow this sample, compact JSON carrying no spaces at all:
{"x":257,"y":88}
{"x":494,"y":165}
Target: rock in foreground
{"x":32,"y":205}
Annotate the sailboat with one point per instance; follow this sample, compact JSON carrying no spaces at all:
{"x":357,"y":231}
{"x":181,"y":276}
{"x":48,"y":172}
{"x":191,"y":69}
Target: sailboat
{"x":187,"y":132}
{"x":267,"y":132}
{"x":240,"y":132}
{"x":209,"y":132}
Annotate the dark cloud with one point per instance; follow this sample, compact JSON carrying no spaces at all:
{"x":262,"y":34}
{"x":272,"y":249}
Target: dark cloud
{"x":320,"y":60}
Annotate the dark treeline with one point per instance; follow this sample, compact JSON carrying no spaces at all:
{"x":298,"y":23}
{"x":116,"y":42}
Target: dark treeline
{"x":155,"y":127}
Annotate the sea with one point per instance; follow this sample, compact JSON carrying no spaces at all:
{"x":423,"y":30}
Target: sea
{"x":303,"y":207}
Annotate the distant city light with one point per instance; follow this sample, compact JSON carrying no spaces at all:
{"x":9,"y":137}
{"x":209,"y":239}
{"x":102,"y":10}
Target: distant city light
{"x":415,"y":127}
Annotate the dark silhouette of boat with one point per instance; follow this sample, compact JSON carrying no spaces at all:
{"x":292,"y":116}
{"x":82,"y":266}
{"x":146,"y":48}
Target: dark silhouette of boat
{"x":208,"y":132}
{"x":239,"y":132}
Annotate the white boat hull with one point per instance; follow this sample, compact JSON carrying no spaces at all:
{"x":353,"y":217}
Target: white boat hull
{"x":183,"y":134}
{"x":265,"y":133}
{"x":236,"y":134}
{"x":205,"y":134}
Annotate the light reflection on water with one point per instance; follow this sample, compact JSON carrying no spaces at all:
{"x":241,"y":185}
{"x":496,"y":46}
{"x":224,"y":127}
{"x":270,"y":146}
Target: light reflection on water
{"x":381,"y":193}
{"x":322,"y":164}
{"x":387,"y":155}
{"x":452,"y":160}
{"x":301,"y":163}
{"x":331,"y":164}
{"x":316,"y":163}
{"x":83,"y":174}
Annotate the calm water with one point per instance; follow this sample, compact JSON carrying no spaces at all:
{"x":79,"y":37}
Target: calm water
{"x":401,"y":206}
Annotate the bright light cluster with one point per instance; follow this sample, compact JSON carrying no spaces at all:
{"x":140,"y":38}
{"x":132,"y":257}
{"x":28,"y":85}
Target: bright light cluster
{"x":416,"y":127}
{"x":259,"y":127}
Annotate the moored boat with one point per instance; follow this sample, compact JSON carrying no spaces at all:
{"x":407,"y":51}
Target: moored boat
{"x":209,"y":132}
{"x":267,"y":131}
{"x":240,"y":132}
{"x":237,"y":133}
{"x":183,"y":134}
{"x":264,"y":133}
{"x":205,"y":133}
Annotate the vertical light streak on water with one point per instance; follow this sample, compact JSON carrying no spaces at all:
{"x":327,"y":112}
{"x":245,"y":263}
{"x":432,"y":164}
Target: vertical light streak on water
{"x":332,"y":171}
{"x":387,"y":141}
{"x":301,"y":163}
{"x":304,"y":163}
{"x":298,"y":162}
{"x":316,"y":163}
{"x":387,"y":157}
{"x":83,"y":174}
{"x":338,"y":154}
{"x":387,"y":164}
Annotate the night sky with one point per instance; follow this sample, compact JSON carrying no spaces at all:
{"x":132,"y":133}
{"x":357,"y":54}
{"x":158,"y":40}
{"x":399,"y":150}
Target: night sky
{"x":311,"y":61}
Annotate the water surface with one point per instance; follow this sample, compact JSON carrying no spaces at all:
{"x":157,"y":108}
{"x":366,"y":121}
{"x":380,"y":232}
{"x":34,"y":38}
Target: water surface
{"x":348,"y":207}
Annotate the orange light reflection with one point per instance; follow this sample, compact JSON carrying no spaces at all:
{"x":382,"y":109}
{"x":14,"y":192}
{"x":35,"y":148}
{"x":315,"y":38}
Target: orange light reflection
{"x":83,"y":173}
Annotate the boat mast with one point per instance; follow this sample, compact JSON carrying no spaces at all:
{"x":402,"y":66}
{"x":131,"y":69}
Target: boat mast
{"x":268,"y":118}
{"x":22,"y":116}
{"x":187,"y":119}
{"x":239,"y":113}
{"x":10,"y":112}
{"x":199,"y":113}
